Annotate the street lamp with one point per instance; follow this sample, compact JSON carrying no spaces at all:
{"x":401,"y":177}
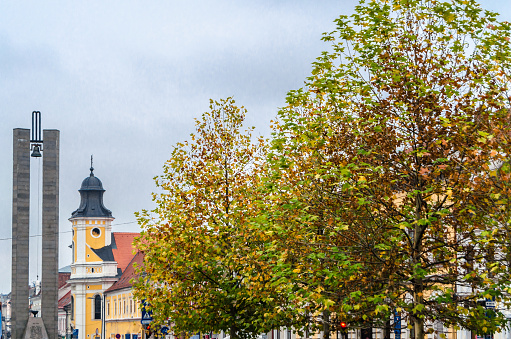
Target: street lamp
{"x":69,"y":331}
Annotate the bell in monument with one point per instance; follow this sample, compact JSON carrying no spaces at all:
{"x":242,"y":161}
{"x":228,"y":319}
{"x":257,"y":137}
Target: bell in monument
{"x":36,"y":152}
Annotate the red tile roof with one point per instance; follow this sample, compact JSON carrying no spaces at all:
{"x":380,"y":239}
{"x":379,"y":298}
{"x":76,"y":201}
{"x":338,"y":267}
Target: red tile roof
{"x":65,"y":300}
{"x":124,"y":251}
{"x":63,"y":278}
{"x":128,"y":274}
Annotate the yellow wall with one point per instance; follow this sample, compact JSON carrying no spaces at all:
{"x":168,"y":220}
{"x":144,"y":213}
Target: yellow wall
{"x":90,"y":256}
{"x":122,"y":305}
{"x":96,"y":287}
{"x":122,"y":315}
{"x":98,"y":242}
{"x":93,"y":242}
{"x":123,"y":327}
{"x":73,"y":310}
{"x":90,"y":323}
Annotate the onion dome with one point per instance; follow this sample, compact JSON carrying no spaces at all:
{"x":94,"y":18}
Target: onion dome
{"x":91,"y":205}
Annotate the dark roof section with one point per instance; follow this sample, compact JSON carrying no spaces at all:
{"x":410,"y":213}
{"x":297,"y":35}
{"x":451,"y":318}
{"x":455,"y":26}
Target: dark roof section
{"x":129,"y":273}
{"x":120,"y":250}
{"x":112,"y":241}
{"x":91,"y":194}
{"x":105,"y":253}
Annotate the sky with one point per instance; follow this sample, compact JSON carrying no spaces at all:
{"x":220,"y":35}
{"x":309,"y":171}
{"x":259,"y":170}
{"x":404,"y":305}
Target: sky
{"x":124,"y":80}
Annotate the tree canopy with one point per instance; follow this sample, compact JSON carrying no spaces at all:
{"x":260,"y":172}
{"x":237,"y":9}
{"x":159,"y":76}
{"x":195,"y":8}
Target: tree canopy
{"x":201,"y":269}
{"x":385,"y":188}
{"x":391,"y":167}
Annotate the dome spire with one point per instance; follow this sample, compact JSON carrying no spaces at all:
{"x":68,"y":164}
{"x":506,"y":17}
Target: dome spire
{"x":91,"y":193}
{"x":91,"y":167}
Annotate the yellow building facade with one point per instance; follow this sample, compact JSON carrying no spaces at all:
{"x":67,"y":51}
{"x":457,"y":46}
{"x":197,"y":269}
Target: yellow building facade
{"x":122,"y":311}
{"x":99,"y":258}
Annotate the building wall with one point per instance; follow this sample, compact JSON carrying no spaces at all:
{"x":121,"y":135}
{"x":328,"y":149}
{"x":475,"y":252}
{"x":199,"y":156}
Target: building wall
{"x":123,"y":315}
{"x":90,"y":276}
{"x":92,"y":325}
{"x":62,"y":323}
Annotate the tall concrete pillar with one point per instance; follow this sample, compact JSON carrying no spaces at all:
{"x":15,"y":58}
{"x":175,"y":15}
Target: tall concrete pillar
{"x":20,"y":231}
{"x":50,"y":232}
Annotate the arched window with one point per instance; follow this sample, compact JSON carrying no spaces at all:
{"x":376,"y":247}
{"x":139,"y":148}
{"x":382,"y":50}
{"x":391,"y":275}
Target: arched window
{"x":97,"y":307}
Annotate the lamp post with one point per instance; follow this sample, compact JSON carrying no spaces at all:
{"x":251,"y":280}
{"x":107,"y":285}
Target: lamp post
{"x":69,"y":331}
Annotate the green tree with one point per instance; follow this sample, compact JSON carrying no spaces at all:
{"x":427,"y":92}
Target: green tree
{"x":390,"y":170}
{"x":202,"y":266}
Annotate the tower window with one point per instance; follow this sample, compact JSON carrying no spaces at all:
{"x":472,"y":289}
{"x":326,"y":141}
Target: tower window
{"x":96,"y":232}
{"x":97,"y":307}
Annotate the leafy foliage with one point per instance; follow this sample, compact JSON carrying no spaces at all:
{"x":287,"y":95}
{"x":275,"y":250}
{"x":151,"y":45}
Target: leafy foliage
{"x":202,"y":269}
{"x":390,"y":170}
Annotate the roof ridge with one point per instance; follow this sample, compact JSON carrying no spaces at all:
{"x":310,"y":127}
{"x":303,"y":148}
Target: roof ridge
{"x":125,"y":279}
{"x":134,"y":256}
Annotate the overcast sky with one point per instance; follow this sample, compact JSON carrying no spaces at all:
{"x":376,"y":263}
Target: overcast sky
{"x":124,"y":80}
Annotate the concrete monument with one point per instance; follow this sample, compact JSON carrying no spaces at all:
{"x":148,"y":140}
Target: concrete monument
{"x":35,"y":329}
{"x":22,"y":146}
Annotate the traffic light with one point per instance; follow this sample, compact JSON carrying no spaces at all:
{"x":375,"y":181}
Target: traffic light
{"x":148,"y":331}
{"x":344,"y":330}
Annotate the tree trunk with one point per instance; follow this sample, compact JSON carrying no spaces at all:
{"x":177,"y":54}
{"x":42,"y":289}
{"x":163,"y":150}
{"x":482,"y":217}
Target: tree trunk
{"x":233,"y":330}
{"x":418,"y":284}
{"x":326,"y":324}
{"x":418,"y":325}
{"x":387,"y":329}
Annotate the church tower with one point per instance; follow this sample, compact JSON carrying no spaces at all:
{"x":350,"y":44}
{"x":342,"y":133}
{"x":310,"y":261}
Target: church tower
{"x":93,"y":267}
{"x":92,"y":224}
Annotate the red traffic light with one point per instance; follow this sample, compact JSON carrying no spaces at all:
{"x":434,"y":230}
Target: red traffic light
{"x":343,"y":325}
